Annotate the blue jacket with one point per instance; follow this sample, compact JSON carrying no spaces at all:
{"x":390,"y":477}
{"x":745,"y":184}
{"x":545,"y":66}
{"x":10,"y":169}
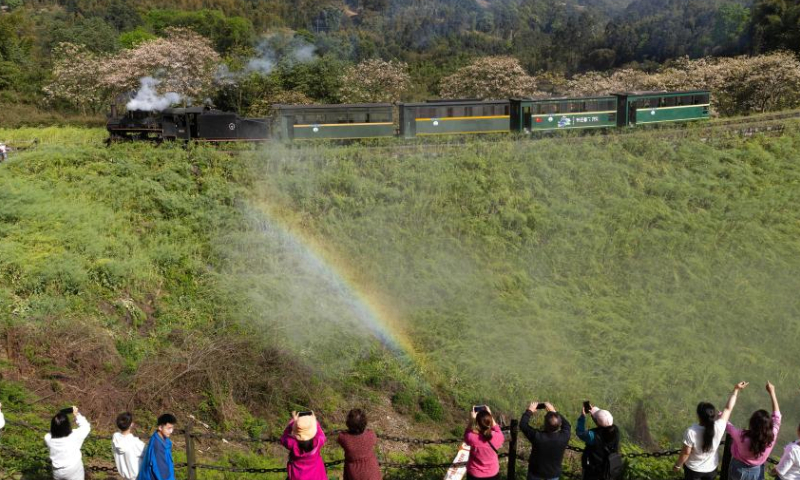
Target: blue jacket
{"x":157,"y":460}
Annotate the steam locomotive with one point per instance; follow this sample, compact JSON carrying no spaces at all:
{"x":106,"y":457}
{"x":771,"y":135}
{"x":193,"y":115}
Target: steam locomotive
{"x":441,"y":117}
{"x":190,"y":123}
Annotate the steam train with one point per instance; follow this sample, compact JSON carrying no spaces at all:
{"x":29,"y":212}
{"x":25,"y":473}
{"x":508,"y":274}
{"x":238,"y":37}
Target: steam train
{"x":441,"y":117}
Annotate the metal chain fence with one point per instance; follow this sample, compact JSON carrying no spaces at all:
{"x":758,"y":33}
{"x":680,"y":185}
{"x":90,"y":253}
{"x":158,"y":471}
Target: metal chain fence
{"x":191,"y":436}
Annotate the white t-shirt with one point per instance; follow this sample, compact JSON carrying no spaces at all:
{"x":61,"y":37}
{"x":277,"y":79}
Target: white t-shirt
{"x":700,"y":461}
{"x":789,"y":466}
{"x":127,"y":454}
{"x":65,"y":452}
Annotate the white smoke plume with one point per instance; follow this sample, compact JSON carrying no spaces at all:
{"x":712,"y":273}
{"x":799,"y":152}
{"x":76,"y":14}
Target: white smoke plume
{"x":148,"y":98}
{"x":270,"y":51}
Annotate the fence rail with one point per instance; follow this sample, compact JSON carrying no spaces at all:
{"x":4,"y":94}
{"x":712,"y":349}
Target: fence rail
{"x":193,"y":466}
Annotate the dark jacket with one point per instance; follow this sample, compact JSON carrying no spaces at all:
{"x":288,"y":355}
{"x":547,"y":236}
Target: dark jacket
{"x":595,"y":453}
{"x":547,"y":452}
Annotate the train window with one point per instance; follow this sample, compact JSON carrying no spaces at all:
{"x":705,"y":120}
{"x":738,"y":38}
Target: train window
{"x":590,"y":105}
{"x":359,"y":117}
{"x":380,"y":116}
{"x":507,"y":109}
{"x":427,"y":112}
{"x":315,"y":118}
{"x":467,"y":111}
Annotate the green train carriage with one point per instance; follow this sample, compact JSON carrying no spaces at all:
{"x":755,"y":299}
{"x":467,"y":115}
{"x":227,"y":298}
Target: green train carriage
{"x":640,"y":108}
{"x":546,"y":114}
{"x":453,"y":117}
{"x":333,"y":122}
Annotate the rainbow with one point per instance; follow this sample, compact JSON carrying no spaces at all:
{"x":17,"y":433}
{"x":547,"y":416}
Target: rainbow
{"x":367,"y":305}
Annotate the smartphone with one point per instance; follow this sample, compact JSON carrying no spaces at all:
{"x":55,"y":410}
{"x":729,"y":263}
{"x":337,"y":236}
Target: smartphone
{"x":479,"y":408}
{"x":541,"y":406}
{"x":305,"y":413}
{"x":66,"y":411}
{"x":587,"y":406}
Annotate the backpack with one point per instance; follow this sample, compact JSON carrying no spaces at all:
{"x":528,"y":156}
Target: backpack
{"x":612,"y":465}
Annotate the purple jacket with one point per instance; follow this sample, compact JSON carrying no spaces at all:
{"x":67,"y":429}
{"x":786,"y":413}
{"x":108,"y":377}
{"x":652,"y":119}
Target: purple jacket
{"x":304,"y":465}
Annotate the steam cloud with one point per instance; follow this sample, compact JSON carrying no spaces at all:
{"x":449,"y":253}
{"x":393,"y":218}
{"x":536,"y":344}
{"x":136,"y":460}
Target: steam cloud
{"x":148,"y":98}
{"x":271,"y":50}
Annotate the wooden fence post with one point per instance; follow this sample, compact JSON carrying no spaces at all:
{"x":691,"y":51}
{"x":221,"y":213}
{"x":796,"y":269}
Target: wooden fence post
{"x":512,"y":450}
{"x":190,"y":460}
{"x":726,"y":458}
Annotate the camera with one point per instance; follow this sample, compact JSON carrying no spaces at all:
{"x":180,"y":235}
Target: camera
{"x":540,"y":406}
{"x":305,"y":413}
{"x":66,"y":411}
{"x":479,"y":408}
{"x":587,"y":406}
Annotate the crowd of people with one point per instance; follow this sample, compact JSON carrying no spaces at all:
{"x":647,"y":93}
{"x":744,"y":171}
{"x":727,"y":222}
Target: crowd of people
{"x":304,"y":440}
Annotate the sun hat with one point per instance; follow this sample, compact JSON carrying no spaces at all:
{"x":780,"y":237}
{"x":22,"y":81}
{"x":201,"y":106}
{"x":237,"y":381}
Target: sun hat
{"x":306,"y":427}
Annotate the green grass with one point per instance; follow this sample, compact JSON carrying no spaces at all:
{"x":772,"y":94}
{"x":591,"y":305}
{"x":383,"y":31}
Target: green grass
{"x":626,"y":270}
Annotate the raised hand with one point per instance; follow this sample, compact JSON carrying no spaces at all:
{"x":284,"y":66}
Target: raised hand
{"x":770,"y":388}
{"x":741,"y":386}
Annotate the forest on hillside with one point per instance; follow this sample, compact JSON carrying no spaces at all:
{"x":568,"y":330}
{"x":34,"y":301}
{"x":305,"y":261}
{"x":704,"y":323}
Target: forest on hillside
{"x":431,"y":38}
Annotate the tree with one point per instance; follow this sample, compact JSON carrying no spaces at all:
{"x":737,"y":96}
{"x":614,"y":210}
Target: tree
{"x":263,"y":107}
{"x":93,"y":33}
{"x":489,"y":78}
{"x":135,"y":37}
{"x":226,"y":33}
{"x":374,"y":81}
{"x":184,"y":62}
{"x":76,"y":78}
{"x":774,"y":25}
{"x":731,"y":23}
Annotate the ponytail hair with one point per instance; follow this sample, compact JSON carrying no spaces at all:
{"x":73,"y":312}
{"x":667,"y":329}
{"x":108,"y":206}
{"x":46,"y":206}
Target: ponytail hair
{"x":707,"y":414}
{"x":483,"y":422}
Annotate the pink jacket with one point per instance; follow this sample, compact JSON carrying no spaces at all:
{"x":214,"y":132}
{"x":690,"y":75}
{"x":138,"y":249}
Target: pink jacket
{"x":304,"y":465}
{"x":483,"y":460}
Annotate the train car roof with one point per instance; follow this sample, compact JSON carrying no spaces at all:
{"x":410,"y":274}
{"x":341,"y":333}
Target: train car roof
{"x":450,"y":103}
{"x":641,"y":93}
{"x":333,"y":106}
{"x":562,"y":99}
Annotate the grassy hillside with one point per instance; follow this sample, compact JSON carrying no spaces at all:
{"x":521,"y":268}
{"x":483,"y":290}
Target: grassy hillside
{"x":628,"y":270}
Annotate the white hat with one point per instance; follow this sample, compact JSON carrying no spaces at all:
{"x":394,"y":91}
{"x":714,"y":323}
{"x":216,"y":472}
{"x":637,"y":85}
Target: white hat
{"x":602,"y":418}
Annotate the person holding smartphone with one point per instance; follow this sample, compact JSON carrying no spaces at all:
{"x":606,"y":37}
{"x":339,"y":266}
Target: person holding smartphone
{"x":548,"y":444}
{"x":484,"y":438}
{"x":304,"y":439}
{"x":65,"y":444}
{"x":601,"y":442}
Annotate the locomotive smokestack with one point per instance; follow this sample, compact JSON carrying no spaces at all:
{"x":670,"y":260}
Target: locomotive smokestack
{"x":113,"y":110}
